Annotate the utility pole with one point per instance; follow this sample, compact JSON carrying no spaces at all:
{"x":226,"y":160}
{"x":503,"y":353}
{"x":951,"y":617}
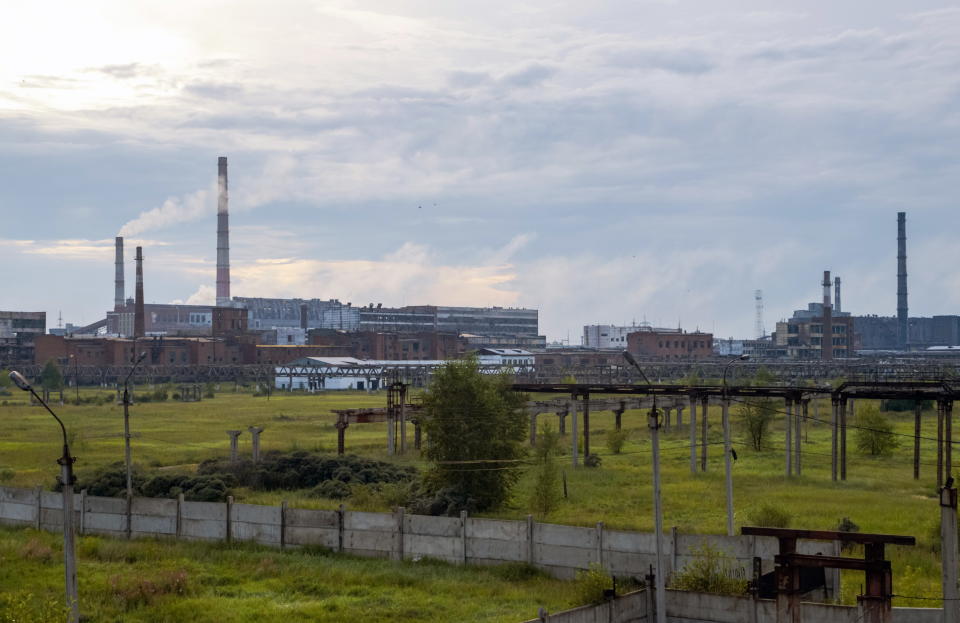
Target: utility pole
{"x":128,"y":463}
{"x":948,"y":552}
{"x":653,"y":421}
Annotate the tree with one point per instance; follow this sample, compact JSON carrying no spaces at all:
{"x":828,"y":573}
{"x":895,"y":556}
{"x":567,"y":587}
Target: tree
{"x":874,"y":433}
{"x":50,"y":377}
{"x":757,"y":413}
{"x":546,"y":483}
{"x":475,"y":431}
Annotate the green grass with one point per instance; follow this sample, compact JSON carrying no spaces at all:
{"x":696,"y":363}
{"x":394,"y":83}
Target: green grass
{"x":880,"y":495}
{"x":157,"y":581}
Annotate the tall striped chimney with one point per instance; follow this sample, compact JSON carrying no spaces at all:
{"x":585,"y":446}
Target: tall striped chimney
{"x":139,"y":320}
{"x":836,"y":295}
{"x":826,"y":341}
{"x":223,"y":236}
{"x":902,"y":314}
{"x":118,"y":295}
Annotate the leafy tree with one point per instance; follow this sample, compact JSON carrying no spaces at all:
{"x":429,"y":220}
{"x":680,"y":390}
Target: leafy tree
{"x":475,"y":430}
{"x":757,"y":414}
{"x":546,"y":483}
{"x":50,"y":377}
{"x":874,"y":433}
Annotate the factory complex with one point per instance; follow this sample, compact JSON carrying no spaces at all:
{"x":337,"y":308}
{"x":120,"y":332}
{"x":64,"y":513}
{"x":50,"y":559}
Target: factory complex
{"x":277,"y":331}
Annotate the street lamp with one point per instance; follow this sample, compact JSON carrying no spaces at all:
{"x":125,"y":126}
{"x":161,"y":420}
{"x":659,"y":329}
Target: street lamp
{"x":126,"y":433}
{"x":66,"y":478}
{"x":653,"y":421}
{"x":727,"y":451}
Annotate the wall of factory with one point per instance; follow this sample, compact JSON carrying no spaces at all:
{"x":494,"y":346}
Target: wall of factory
{"x":670,"y":345}
{"x":18,"y":332}
{"x":392,"y":346}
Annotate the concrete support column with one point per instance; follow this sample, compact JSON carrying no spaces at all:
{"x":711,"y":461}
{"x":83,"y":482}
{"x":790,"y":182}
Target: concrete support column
{"x":255,"y":433}
{"x":234,"y":451}
{"x":834,"y":421}
{"x":798,"y":419}
{"x":586,"y":425}
{"x":704,"y":410}
{"x":574,"y":437}
{"x":948,"y":553}
{"x":843,"y":439}
{"x":391,"y":433}
{"x":403,"y":419}
{"x":680,"y":409}
{"x":693,"y":435}
{"x":667,"y":412}
{"x":941,"y":409}
{"x":618,"y":417}
{"x":948,"y":433}
{"x":416,"y":434}
{"x":562,"y":416}
{"x":342,"y":425}
{"x":788,"y":437}
{"x":917,"y":410}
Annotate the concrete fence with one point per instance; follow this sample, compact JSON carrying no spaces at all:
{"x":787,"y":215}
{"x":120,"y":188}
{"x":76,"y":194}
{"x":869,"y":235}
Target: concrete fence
{"x":684,"y":607}
{"x":560,"y":550}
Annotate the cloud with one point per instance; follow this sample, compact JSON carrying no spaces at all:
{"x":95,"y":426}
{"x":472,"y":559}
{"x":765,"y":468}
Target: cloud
{"x":204,"y":295}
{"x":92,"y":250}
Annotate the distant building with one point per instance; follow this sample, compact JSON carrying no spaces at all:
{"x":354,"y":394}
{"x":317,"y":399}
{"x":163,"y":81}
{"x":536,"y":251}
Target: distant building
{"x":425,"y":345}
{"x":18,"y":332}
{"x":178,"y":320}
{"x":881,"y":333}
{"x":802,"y":336}
{"x":611,"y":336}
{"x":507,"y":357}
{"x":763,"y":348}
{"x":670,"y":344}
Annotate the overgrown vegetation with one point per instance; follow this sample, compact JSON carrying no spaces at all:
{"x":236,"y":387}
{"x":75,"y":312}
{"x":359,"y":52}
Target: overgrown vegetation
{"x":476,"y":429}
{"x":546,"y":486}
{"x":591,"y":584}
{"x":758,"y":413}
{"x":769,"y":516}
{"x":616,"y":440}
{"x":711,"y":571}
{"x":874,"y":433}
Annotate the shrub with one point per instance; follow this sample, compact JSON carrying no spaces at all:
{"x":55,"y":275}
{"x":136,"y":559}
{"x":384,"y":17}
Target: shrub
{"x":333,"y":489}
{"x":711,"y":571}
{"x":132,"y":591}
{"x":757,"y":415}
{"x":109,"y":481}
{"x":874,"y":433}
{"x":769,"y":516}
{"x":7,"y":474}
{"x":616,"y":440}
{"x":592,"y":460}
{"x":35,"y":549}
{"x":546,"y":484}
{"x":590,"y":584}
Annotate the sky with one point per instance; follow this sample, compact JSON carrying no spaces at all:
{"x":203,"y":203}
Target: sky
{"x":604,"y":162}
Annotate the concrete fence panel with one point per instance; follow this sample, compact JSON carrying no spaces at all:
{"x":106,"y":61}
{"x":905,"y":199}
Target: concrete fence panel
{"x":51,"y":510}
{"x":19,"y":507}
{"x":312,"y":527}
{"x":369,"y":534}
{"x":105,"y":516}
{"x":491,"y":541}
{"x":435,"y":537}
{"x":260,"y":524}
{"x":203,"y":521}
{"x":153,"y":517}
{"x":565,"y":549}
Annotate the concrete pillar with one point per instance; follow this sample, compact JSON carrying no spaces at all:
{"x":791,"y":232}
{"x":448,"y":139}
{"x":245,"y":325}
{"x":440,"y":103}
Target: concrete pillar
{"x":255,"y":433}
{"x":680,"y":409}
{"x":586,"y":425}
{"x":234,"y":453}
{"x":799,"y":418}
{"x":948,"y":433}
{"x":788,"y":437}
{"x":843,"y":439}
{"x":342,"y":425}
{"x":391,"y":432}
{"x":917,"y":409}
{"x":834,"y":421}
{"x":704,"y":410}
{"x":403,"y":419}
{"x":573,"y":432}
{"x":667,"y":412}
{"x":562,"y":416}
{"x":416,"y":434}
{"x":948,"y":549}
{"x":940,"y":413}
{"x":618,"y":417}
{"x":693,"y":435}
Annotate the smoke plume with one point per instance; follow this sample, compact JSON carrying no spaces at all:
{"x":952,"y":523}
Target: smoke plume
{"x":186,"y":208}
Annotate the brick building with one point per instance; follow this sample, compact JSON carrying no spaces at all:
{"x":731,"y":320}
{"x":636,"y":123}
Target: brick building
{"x":669,"y":344}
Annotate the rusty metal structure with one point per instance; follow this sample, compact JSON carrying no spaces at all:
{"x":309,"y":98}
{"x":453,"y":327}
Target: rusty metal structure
{"x":876,"y":601}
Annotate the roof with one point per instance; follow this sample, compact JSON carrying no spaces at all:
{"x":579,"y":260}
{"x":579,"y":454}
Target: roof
{"x":516,"y":352}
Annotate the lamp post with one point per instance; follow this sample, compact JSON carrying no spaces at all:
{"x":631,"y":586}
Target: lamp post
{"x":653,"y":421}
{"x":66,"y":478}
{"x":727,"y":450}
{"x":126,"y":432}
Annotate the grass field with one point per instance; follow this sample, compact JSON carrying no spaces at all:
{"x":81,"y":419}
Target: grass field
{"x":879,"y":495}
{"x":155,"y":582}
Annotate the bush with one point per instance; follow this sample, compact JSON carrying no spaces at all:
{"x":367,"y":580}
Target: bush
{"x":769,"y":516}
{"x":592,"y":460}
{"x":590,"y":585}
{"x":616,"y":440}
{"x":109,"y":481}
{"x":333,"y":489}
{"x":7,"y":474}
{"x":757,"y":415}
{"x":546,"y":484}
{"x":874,"y":433}
{"x":132,"y":591}
{"x":711,"y":571}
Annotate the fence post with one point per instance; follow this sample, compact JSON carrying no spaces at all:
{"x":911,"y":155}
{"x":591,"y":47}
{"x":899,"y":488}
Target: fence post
{"x":340,"y":513}
{"x":179,"y":515}
{"x":398,"y":534}
{"x":283,"y":524}
{"x":83,"y":510}
{"x":600,"y":543}
{"x":463,"y":537}
{"x":229,"y":519}
{"x":530,"y":549}
{"x":37,"y":490}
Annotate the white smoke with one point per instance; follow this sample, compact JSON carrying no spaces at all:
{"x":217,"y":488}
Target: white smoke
{"x":174,"y":210}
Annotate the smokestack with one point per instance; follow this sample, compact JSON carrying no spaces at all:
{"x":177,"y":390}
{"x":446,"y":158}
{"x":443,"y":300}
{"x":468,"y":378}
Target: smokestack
{"x":902,"y":316}
{"x":826,"y":340}
{"x":138,"y":316}
{"x":836,"y":295}
{"x":223,"y":236}
{"x":118,"y":295}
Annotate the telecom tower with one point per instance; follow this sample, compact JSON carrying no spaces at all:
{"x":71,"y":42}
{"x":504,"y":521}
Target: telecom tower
{"x":759,"y":329}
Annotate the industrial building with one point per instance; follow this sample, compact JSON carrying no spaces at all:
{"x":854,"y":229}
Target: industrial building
{"x":18,"y":330}
{"x":674,"y":344}
{"x":822,"y":331}
{"x":607,"y":336}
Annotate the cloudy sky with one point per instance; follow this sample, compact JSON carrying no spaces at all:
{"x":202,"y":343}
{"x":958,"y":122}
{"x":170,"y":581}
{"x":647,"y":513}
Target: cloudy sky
{"x":602,"y":161}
